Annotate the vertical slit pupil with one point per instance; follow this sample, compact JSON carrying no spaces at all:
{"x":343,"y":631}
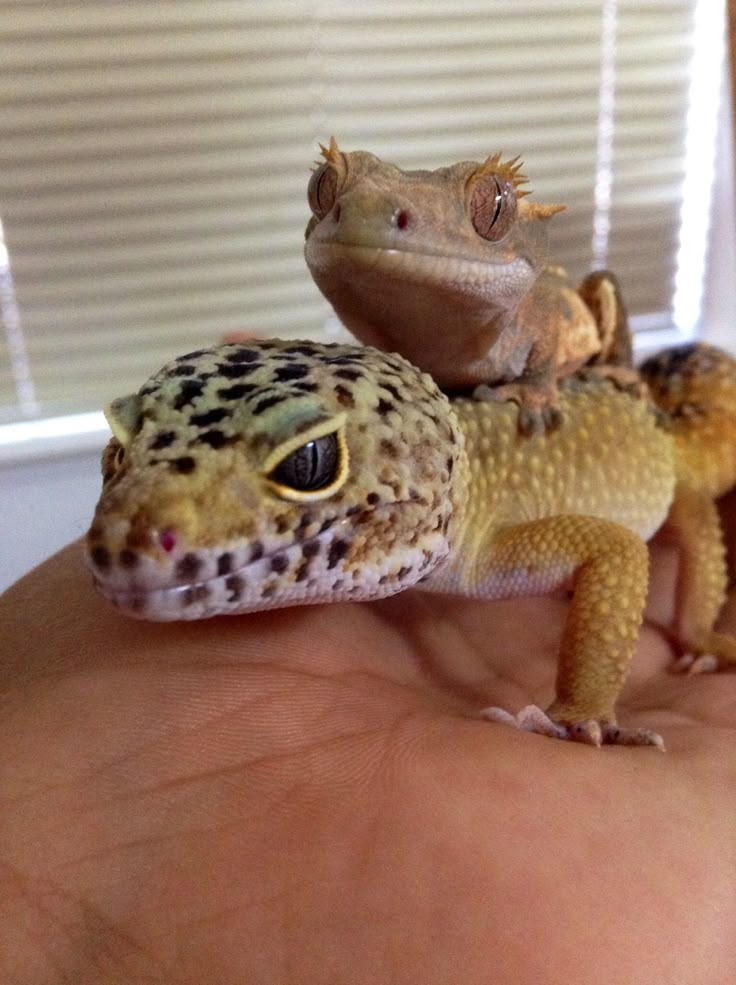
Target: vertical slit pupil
{"x":312,"y":466}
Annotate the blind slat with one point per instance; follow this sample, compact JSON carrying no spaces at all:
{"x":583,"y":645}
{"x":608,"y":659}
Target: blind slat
{"x":154,"y":157}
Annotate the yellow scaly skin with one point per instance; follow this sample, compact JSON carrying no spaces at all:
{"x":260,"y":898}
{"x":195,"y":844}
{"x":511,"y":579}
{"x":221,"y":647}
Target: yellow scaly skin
{"x":254,"y":476}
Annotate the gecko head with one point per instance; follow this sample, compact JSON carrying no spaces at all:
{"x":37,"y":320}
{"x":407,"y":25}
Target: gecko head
{"x":253,"y":476}
{"x":389,"y":247}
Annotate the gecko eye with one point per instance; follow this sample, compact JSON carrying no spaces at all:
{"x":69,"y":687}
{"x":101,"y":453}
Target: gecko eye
{"x":493,"y":207}
{"x":313,"y":467}
{"x":322,"y":190}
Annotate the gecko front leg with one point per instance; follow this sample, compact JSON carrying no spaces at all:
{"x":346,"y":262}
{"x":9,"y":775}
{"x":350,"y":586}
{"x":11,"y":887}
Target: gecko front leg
{"x":608,"y":566}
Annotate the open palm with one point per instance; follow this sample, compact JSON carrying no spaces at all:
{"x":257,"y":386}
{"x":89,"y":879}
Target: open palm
{"x":308,"y":796}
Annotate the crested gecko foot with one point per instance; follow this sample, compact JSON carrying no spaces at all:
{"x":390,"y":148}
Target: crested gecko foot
{"x":539,"y":410}
{"x":590,"y":732}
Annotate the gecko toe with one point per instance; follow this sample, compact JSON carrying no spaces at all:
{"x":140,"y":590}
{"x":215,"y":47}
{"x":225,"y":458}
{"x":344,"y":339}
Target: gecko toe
{"x":691,"y":664}
{"x":589,"y":731}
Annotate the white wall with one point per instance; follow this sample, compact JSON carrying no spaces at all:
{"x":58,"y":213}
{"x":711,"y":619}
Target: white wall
{"x":44,"y":505}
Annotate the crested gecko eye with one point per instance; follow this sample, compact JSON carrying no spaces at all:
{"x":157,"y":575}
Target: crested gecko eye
{"x":493,"y":207}
{"x":311,"y":467}
{"x":322,"y":190}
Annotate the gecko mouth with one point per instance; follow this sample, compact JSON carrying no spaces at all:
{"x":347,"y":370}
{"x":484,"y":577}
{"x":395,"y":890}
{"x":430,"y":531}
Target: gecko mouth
{"x":418,"y":266}
{"x":278,"y":578}
{"x":306,"y":572}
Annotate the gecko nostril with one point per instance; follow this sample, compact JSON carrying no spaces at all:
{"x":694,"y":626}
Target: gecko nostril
{"x":100,"y":558}
{"x":167,"y":540}
{"x":401,"y":219}
{"x":128,"y":558}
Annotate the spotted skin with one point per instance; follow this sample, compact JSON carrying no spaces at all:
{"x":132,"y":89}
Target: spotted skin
{"x":247,"y":477}
{"x":189,"y":525}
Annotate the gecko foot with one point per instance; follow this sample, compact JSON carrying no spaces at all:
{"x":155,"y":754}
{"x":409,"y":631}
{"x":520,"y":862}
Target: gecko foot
{"x":538,"y":410}
{"x":590,"y":732}
{"x":691,"y":664}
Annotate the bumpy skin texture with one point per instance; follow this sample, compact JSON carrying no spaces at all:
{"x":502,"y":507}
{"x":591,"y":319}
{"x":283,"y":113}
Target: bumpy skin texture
{"x":200,"y":514}
{"x":195,"y":522}
{"x":447,"y":267}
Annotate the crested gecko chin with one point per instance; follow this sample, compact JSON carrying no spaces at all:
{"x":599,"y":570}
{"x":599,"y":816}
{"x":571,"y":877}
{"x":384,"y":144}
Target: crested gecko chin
{"x":448,"y":267}
{"x":252,"y":476}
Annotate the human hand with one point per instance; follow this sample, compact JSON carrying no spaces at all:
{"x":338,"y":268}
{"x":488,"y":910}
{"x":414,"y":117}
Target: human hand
{"x":308,"y":796}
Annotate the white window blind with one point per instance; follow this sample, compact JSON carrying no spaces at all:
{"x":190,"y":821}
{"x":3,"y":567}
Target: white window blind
{"x":154,"y":158}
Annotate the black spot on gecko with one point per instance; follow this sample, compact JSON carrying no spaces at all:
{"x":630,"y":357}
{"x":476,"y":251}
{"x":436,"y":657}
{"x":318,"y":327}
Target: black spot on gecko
{"x":216,"y":438}
{"x":188,"y":566}
{"x":338,"y":550}
{"x":185,"y":464}
{"x":304,"y":386}
{"x":270,"y":401}
{"x":162,"y":440}
{"x":237,"y":391}
{"x":243,"y":356}
{"x":671,"y":361}
{"x":311,"y":548}
{"x":279,"y":563}
{"x":213,"y":416}
{"x":341,"y":360}
{"x":291,"y":371}
{"x":305,"y":520}
{"x":349,"y":374}
{"x":100,"y":558}
{"x":128,"y":558}
{"x":225,"y":563}
{"x":344,"y":396}
{"x":191,"y":355}
{"x":190,"y":389}
{"x":403,"y":572}
{"x":372,"y":498}
{"x":303,"y":349}
{"x":183,"y":370}
{"x":394,"y":391}
{"x":302,"y":571}
{"x":234,"y":584}
{"x":385,"y":406}
{"x":235,"y":371}
{"x":256,"y":551}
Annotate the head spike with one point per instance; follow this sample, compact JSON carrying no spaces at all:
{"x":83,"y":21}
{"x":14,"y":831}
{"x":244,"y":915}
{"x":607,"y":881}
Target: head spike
{"x":332,"y":153}
{"x":534,"y":210}
{"x":507,"y":170}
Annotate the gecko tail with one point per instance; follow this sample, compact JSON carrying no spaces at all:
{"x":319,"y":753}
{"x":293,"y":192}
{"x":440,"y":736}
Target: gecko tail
{"x":695,"y":385}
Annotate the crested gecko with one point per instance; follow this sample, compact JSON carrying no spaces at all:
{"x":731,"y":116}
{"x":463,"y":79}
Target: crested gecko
{"x":448,"y":267}
{"x":252,"y":476}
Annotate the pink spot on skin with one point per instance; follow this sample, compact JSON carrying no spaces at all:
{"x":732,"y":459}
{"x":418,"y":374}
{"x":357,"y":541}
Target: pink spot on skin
{"x":402,"y":219}
{"x":167,"y":540}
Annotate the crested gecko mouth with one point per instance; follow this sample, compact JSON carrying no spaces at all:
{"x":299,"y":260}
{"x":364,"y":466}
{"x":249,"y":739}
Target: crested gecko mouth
{"x":419,"y":265}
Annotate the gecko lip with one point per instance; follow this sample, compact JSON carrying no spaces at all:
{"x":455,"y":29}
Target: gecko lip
{"x":414,"y":264}
{"x":253,"y":584}
{"x":302,"y":572}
